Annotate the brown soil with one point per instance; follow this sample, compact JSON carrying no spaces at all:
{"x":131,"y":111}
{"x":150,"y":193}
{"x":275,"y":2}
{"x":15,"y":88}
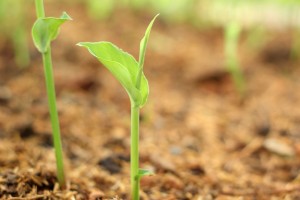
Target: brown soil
{"x":199,"y":136}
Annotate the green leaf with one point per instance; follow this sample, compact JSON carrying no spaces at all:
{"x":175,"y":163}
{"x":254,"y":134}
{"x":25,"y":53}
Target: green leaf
{"x":141,"y":83}
{"x":144,"y":172}
{"x":143,"y":43}
{"x":124,"y":67}
{"x":46,"y":30}
{"x":121,"y":64}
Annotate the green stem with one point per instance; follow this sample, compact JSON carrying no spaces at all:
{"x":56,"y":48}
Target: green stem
{"x":20,"y":46}
{"x":47,"y":62}
{"x":54,"y":116}
{"x":40,"y":12}
{"x":134,"y":152}
{"x":232,"y":33}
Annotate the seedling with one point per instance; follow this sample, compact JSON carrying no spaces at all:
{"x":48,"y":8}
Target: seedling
{"x":295,"y":47}
{"x":232,"y":32}
{"x":13,"y":27}
{"x":45,"y":30}
{"x":130,"y":74}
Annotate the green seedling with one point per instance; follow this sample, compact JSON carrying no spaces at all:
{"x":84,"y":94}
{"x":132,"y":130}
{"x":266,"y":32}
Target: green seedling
{"x":232,"y":32}
{"x":130,"y":74}
{"x":295,"y":47}
{"x":13,"y":27}
{"x":45,"y":30}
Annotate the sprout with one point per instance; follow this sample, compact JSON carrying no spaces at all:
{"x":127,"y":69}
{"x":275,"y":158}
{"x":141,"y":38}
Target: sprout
{"x":45,"y":30}
{"x":13,"y":26}
{"x":130,"y":74}
{"x":232,"y":32}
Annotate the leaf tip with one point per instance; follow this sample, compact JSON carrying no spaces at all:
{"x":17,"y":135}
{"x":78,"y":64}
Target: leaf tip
{"x":144,"y":172}
{"x":82,"y":44}
{"x":65,"y":16}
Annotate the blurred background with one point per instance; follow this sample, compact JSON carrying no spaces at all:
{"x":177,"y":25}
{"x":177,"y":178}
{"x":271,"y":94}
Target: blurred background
{"x":222,"y":116}
{"x":255,"y":18}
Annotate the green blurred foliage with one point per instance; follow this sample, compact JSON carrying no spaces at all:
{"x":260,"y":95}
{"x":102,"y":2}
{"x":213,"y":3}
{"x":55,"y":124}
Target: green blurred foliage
{"x":199,"y":13}
{"x":100,"y":9}
{"x":13,"y":26}
{"x":232,"y":34}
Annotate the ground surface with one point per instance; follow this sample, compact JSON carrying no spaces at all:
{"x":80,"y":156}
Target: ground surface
{"x":199,"y":136}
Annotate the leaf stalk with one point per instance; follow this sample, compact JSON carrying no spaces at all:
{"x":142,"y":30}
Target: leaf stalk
{"x":40,"y":11}
{"x":134,"y":152}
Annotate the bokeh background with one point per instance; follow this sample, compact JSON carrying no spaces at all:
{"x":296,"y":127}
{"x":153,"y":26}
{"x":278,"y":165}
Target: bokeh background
{"x":221,"y":122}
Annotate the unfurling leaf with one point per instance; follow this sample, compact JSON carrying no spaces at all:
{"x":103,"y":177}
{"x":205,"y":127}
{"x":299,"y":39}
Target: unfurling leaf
{"x":46,"y":30}
{"x":144,"y":172}
{"x":122,"y":65}
{"x":143,"y":87}
{"x":144,"y":42}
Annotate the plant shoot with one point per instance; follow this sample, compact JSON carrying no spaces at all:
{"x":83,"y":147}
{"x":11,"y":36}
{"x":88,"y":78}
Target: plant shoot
{"x":129,"y":73}
{"x":45,"y":30}
{"x":232,"y":32}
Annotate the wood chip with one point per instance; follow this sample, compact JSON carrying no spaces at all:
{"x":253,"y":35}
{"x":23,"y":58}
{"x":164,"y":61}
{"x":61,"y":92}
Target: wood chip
{"x":278,"y":147}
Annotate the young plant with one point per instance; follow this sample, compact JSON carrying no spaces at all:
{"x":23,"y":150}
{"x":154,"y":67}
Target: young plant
{"x":232,"y":32}
{"x":130,"y":74}
{"x":13,"y":27}
{"x":295,"y":47}
{"x":45,"y":30}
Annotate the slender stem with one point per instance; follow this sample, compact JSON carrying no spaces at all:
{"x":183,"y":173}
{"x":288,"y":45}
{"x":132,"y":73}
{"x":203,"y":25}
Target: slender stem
{"x":47,"y":62}
{"x":134,"y":152}
{"x":232,"y":33}
{"x":40,"y":12}
{"x":54,"y":116}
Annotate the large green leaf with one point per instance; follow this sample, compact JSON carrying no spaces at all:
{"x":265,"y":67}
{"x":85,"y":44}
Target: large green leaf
{"x":124,"y":67}
{"x":46,"y":30}
{"x":121,"y":64}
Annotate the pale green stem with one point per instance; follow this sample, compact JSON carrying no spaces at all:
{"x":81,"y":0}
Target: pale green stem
{"x":21,"y":50}
{"x":134,"y":152}
{"x":232,"y":33}
{"x":54,"y":116}
{"x":40,"y":11}
{"x":47,"y":62}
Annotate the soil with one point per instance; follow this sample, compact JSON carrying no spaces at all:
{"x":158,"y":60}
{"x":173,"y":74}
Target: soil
{"x":200,"y":136}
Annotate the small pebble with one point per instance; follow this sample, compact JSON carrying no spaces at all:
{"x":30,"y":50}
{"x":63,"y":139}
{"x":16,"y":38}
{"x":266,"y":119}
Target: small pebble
{"x":278,"y":147}
{"x":5,"y":94}
{"x":175,"y":150}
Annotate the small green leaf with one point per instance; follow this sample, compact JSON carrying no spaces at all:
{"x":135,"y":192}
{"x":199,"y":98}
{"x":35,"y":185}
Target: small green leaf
{"x":142,"y":84}
{"x":122,"y":65}
{"x":144,"y":172}
{"x":143,"y":43}
{"x":46,"y":30}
